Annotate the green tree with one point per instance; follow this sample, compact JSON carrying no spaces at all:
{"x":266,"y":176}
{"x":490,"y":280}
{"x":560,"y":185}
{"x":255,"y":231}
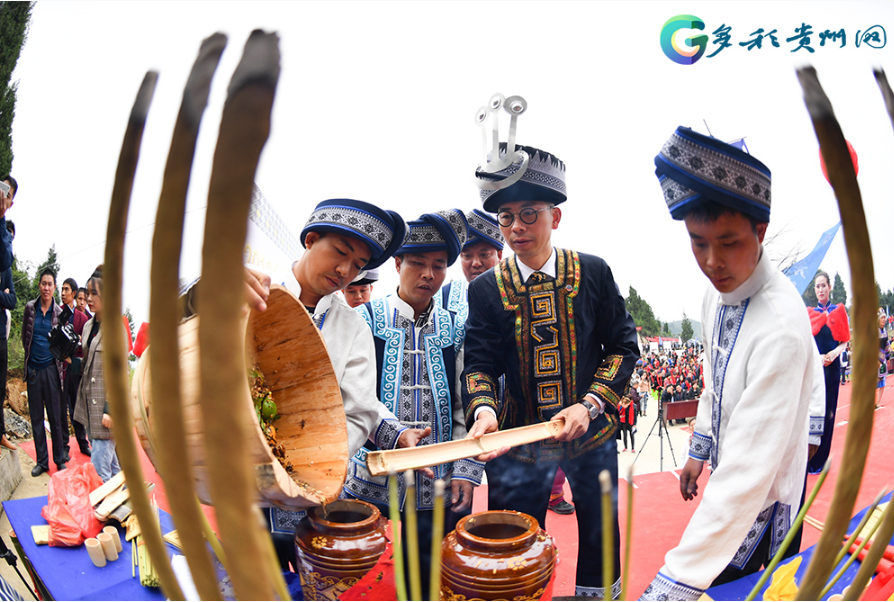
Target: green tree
{"x":133,"y":330}
{"x":839,"y":295}
{"x":14,"y":20}
{"x":642,"y":314}
{"x":686,"y":331}
{"x":666,"y":330}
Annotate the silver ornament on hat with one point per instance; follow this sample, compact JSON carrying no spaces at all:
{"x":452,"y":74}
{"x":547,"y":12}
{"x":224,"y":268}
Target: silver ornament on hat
{"x":515,"y":106}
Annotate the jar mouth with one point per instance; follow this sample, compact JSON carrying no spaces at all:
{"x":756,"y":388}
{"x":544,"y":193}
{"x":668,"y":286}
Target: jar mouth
{"x":497,"y":530}
{"x":345,"y":515}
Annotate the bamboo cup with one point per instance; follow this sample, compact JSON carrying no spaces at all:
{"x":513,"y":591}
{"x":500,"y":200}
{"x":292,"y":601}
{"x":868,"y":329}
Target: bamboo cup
{"x":108,"y":546}
{"x":116,"y":537}
{"x":94,"y":549}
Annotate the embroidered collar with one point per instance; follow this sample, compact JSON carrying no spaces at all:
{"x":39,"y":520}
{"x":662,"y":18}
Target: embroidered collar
{"x":759,"y":277}
{"x":825,"y":308}
{"x":548,"y":268}
{"x":409,"y":313}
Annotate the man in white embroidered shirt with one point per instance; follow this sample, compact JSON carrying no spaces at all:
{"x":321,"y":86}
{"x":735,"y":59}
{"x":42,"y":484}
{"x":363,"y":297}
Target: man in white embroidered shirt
{"x":761,"y":372}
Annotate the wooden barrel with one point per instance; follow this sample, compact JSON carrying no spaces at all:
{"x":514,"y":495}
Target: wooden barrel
{"x":284,"y":343}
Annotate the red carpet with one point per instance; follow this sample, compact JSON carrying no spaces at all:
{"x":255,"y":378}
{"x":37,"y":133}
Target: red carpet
{"x":661,"y":515}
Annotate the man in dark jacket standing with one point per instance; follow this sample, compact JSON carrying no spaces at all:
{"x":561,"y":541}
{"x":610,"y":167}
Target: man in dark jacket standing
{"x":44,"y":373}
{"x":71,"y":375}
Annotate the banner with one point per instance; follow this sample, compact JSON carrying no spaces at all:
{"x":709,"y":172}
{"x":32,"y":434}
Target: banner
{"x":270,"y":246}
{"x":801,"y":273}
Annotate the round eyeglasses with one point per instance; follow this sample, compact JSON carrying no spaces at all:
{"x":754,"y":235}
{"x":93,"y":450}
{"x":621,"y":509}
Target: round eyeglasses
{"x":527,"y":215}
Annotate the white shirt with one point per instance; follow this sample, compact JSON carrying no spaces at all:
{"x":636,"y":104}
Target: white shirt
{"x":770,"y":381}
{"x":353,"y":356}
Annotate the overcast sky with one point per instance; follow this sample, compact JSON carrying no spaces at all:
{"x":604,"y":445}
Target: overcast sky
{"x":376,"y":101}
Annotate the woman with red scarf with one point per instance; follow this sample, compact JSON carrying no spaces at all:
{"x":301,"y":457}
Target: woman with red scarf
{"x":831,"y":332}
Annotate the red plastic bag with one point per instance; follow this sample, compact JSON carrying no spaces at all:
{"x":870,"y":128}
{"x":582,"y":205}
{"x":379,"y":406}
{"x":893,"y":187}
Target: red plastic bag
{"x":68,"y":511}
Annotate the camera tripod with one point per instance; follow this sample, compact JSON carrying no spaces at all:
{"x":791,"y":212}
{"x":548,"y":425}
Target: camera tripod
{"x":10,"y":558}
{"x":662,"y":431}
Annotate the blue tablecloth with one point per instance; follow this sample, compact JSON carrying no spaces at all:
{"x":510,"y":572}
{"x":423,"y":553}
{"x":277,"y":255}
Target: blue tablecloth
{"x":68,"y":573}
{"x":739,"y":590}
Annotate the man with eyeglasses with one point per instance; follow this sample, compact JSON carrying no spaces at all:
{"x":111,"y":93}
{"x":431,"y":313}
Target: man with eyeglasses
{"x":554,"y":323}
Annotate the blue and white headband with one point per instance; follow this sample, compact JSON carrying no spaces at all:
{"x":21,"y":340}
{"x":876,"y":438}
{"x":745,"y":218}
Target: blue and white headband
{"x":692,"y":167}
{"x":382,"y":230}
{"x":439,"y":231}
{"x":483,"y":228}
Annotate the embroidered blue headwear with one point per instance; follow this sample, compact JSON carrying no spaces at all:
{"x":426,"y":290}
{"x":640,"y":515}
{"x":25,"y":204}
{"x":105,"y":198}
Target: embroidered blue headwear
{"x":366,"y":277}
{"x":692,"y":167}
{"x":382,"y":230}
{"x":483,"y":228}
{"x":440,"y":231}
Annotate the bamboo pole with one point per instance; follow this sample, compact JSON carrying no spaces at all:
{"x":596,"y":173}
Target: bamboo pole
{"x":412,"y":536}
{"x":856,"y":235}
{"x":115,"y":354}
{"x":244,"y":128}
{"x":164,"y":315}
{"x":400,"y":583}
{"x":608,"y":544}
{"x":876,"y":551}
{"x":847,"y":546}
{"x":850,"y":560}
{"x":434,"y":591}
{"x":628,"y":537}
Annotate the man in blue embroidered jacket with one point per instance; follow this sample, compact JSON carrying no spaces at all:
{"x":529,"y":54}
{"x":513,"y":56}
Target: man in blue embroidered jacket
{"x":554,"y":323}
{"x":418,"y":358}
{"x":763,"y":378}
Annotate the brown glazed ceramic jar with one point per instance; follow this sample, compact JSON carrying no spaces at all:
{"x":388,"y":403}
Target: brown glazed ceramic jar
{"x":336,"y":549}
{"x":497,"y":555}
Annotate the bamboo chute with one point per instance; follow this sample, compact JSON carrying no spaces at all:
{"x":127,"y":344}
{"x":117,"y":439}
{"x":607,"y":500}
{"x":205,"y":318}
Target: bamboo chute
{"x":856,"y":235}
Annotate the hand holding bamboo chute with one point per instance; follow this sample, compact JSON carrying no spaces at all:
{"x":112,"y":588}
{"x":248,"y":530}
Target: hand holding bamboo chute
{"x":380,"y":463}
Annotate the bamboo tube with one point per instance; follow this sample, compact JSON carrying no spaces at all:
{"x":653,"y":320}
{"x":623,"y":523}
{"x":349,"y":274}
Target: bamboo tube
{"x":859,"y":529}
{"x":164,"y":315}
{"x":791,"y":532}
{"x":437,"y":536}
{"x":864,"y":321}
{"x":867,"y":567}
{"x":608,"y":544}
{"x":628,"y":536}
{"x":244,"y":127}
{"x":850,"y":561}
{"x":400,"y":583}
{"x":412,"y":536}
{"x":115,"y":354}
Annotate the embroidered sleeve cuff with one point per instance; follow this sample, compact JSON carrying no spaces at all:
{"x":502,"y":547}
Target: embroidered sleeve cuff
{"x":468,"y":470}
{"x":700,"y":447}
{"x":605,"y":395}
{"x":388,"y":433}
{"x":664,"y":588}
{"x":817,"y":425}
